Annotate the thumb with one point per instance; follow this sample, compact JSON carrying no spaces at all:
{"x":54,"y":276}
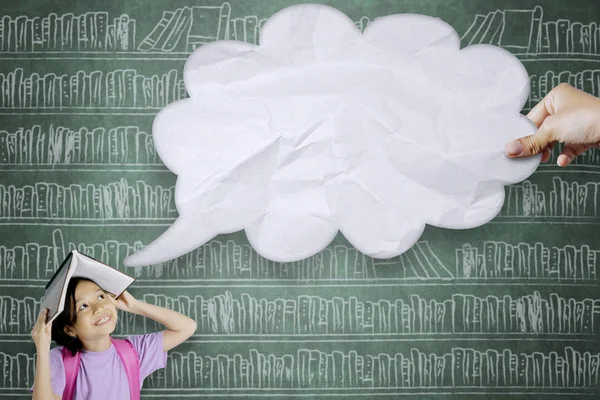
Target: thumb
{"x":530,"y":145}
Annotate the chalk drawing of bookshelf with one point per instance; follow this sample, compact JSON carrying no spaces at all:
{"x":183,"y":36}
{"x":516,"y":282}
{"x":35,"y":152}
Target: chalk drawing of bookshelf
{"x":51,"y":146}
{"x":187,"y":28}
{"x":587,"y":80}
{"x":524,"y":32}
{"x":92,"y":31}
{"x":318,"y":372}
{"x":457,"y":368}
{"x":179,"y":31}
{"x":117,"y":201}
{"x":562,"y":199}
{"x":226,"y":315}
{"x":222,"y":259}
{"x":227,"y":260}
{"x":498,"y":259}
{"x":115,"y":89}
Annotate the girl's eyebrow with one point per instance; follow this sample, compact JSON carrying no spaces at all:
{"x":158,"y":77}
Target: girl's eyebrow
{"x":97,"y":290}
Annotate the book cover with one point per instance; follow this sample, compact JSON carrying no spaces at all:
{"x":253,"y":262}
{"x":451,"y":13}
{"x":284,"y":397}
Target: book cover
{"x":80,"y":265}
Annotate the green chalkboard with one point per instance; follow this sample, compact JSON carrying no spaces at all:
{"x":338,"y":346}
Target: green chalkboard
{"x":510,"y":309}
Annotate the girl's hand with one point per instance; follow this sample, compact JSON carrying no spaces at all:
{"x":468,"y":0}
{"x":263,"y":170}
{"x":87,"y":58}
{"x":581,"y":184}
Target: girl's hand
{"x":125,"y":302}
{"x":42,"y":332}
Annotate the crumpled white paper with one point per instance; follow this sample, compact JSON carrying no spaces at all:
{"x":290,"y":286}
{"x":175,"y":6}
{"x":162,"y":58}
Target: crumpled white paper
{"x":323,"y":128}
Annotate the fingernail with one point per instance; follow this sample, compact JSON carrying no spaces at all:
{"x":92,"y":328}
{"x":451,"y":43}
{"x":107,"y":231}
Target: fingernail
{"x":513,"y":148}
{"x":561,"y":161}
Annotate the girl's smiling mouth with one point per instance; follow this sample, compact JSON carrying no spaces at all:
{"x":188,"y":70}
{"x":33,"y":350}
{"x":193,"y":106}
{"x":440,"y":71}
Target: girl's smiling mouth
{"x":103,"y":320}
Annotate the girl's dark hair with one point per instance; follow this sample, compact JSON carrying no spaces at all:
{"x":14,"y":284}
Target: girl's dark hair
{"x":68,"y":318}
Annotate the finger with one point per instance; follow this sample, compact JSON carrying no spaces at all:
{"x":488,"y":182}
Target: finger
{"x":540,"y":112}
{"x":569,"y":153}
{"x":126,"y":296}
{"x":550,"y":104}
{"x":532,"y":144}
{"x":546,"y":155}
{"x":49,"y":327}
{"x":547,"y":152}
{"x":42,"y":316}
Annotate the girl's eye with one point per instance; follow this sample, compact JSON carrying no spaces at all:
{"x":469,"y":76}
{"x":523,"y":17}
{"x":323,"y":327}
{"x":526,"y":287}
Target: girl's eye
{"x":100,"y":297}
{"x":82,"y":307}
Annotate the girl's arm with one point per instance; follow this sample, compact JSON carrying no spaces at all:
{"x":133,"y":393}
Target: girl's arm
{"x":42,"y":388}
{"x":179,"y":327}
{"x":41,"y":334}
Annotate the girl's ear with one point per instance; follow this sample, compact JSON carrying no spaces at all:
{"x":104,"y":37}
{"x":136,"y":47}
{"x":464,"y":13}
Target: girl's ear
{"x":70,"y":331}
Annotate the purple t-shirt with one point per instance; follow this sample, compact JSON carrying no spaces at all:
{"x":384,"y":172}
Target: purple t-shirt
{"x":102,"y":375}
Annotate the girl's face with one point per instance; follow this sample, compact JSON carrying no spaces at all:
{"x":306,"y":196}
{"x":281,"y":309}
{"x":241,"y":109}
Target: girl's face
{"x":96,"y":313}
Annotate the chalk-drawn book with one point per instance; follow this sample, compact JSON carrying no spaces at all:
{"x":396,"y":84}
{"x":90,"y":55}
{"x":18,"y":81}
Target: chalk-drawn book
{"x":80,"y":265}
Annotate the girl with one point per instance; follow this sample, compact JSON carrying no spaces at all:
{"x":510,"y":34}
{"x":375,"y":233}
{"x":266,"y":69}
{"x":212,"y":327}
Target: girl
{"x":85,"y":326}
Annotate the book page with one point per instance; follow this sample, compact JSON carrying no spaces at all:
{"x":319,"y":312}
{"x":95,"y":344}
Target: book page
{"x":108,"y":278}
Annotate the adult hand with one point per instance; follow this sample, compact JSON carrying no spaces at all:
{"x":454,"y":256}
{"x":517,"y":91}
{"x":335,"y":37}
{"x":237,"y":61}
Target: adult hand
{"x":565,"y":115}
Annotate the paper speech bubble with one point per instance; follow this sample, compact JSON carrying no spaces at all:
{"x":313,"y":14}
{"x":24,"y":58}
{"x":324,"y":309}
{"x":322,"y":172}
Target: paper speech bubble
{"x":322,"y":128}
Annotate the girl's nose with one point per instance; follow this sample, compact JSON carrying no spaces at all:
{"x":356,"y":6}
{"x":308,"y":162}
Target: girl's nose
{"x":98,"y":309}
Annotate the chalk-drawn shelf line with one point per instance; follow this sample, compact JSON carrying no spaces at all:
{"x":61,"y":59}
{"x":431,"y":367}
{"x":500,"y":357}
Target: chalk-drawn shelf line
{"x":339,"y":392}
{"x":339,"y":283}
{"x":140,"y":113}
{"x":86,"y":168}
{"x":110,"y":167}
{"x":206,"y":284}
{"x":165,"y":222}
{"x":182,"y":56}
{"x":366,"y":339}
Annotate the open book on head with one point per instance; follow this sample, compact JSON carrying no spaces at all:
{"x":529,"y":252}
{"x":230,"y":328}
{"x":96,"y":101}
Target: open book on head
{"x":78,"y":265}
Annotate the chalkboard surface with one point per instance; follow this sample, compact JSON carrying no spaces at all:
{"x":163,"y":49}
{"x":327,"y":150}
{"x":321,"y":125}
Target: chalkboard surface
{"x":510,"y":309}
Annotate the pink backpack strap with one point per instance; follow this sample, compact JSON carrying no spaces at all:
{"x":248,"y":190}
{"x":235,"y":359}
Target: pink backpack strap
{"x":131,"y":362}
{"x":128,"y":356}
{"x":71,"y":363}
